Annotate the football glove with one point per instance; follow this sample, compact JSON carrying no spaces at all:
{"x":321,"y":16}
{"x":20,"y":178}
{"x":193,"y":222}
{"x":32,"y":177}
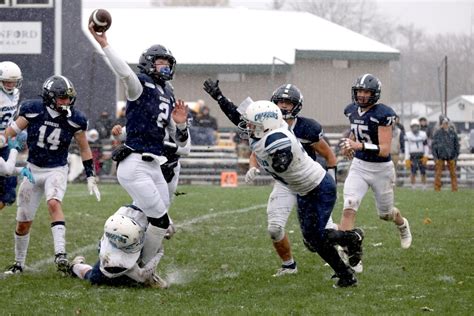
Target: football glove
{"x":16,"y":144}
{"x":92,"y":187}
{"x":251,"y":174}
{"x":424,"y":160}
{"x":212,"y":88}
{"x":26,"y":172}
{"x":407,"y":163}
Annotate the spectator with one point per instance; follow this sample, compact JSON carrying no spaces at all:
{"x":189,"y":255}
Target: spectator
{"x":425,"y":127}
{"x":121,"y":119}
{"x":445,"y":148}
{"x":104,"y":125}
{"x":416,"y":152}
{"x":204,"y":129}
{"x":471,"y":141}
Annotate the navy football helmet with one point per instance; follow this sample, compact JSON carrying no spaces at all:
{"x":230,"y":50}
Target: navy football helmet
{"x":58,"y":86}
{"x":289,"y":92}
{"x":367,"y":82}
{"x":146,"y":63}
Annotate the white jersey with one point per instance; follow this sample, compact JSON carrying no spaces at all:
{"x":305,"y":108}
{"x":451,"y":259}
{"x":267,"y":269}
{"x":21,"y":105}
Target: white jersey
{"x":416,"y":143}
{"x":303,"y":173}
{"x":8,"y":108}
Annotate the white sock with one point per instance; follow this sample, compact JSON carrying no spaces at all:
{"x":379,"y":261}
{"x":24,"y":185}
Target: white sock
{"x":80,"y":269}
{"x":21,"y":248}
{"x":153,"y":240}
{"x":288,"y":262}
{"x":59,"y":238}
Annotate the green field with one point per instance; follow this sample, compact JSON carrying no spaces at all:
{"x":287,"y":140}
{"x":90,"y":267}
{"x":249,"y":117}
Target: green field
{"x":220,"y":262}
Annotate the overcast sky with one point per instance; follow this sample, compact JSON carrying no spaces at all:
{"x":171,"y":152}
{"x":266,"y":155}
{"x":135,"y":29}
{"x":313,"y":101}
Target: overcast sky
{"x":433,"y":16}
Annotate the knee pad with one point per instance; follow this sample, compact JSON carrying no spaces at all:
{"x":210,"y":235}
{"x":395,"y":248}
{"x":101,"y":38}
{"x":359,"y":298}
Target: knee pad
{"x":391,"y":215}
{"x":162,"y":222}
{"x":276,"y":232}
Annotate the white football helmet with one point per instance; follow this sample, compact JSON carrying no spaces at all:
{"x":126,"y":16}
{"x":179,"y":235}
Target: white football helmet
{"x":10,"y":72}
{"x":124,"y":233}
{"x":261,"y":117}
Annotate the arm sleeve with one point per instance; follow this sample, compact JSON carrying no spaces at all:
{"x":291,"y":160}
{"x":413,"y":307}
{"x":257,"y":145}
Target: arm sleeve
{"x":7,"y":168}
{"x":230,"y":110}
{"x":133,"y":87}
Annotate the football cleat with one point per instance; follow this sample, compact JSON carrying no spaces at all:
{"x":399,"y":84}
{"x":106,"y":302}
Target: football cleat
{"x":405,"y":234}
{"x":14,"y":268}
{"x":158,"y":283}
{"x":345,"y":281}
{"x":354,"y":248}
{"x":62,"y":264}
{"x":284,"y":270}
{"x":76,"y":260}
{"x":170,"y":231}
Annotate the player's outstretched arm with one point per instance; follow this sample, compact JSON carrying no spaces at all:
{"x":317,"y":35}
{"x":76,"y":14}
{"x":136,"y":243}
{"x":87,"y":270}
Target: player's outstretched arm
{"x":86,"y":155}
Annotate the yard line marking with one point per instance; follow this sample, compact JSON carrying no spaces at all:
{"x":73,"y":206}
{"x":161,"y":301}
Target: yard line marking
{"x":36,"y":266}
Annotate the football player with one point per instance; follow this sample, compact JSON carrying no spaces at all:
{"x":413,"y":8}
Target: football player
{"x":369,"y":143}
{"x":281,"y":201}
{"x":120,"y":249}
{"x":10,"y":84}
{"x":416,"y":152}
{"x":172,"y":167}
{"x":150,"y":108}
{"x":279,"y":152}
{"x":51,"y":124}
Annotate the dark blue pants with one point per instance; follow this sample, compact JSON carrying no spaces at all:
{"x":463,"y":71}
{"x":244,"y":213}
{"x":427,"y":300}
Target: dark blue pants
{"x":7,"y":184}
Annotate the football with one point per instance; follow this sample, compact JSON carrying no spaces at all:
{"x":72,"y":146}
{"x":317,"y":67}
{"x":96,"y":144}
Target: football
{"x":102,"y":20}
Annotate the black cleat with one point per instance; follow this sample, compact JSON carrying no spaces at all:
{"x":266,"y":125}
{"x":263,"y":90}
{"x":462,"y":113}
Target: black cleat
{"x":14,"y":268}
{"x":62,"y":264}
{"x":346,"y":281}
{"x":354,"y":248}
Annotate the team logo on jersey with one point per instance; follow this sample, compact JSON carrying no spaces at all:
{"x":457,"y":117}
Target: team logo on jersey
{"x":259,"y":117}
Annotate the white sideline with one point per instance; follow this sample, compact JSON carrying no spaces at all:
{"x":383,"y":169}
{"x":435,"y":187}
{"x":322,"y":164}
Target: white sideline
{"x":36,"y":266}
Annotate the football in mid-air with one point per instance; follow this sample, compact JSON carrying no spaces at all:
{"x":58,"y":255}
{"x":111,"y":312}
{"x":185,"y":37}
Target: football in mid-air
{"x":102,"y":20}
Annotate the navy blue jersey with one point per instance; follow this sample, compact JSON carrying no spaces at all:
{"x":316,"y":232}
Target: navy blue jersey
{"x":50,"y":135}
{"x":308,"y":131}
{"x":148,"y":116}
{"x":365,"y":127}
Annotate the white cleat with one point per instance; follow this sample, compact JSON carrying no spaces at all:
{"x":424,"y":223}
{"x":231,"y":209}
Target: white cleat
{"x":286,"y":270}
{"x":405,"y":234}
{"x":358,"y":268}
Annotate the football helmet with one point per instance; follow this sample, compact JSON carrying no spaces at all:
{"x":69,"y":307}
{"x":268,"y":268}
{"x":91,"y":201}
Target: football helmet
{"x":124,"y":233}
{"x":259,"y":118}
{"x":146,"y":64}
{"x":367,"y":82}
{"x":10,"y":72}
{"x":58,"y":86}
{"x":289,"y":92}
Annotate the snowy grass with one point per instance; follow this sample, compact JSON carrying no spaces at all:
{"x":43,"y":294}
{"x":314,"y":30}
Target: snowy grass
{"x":220,"y":262}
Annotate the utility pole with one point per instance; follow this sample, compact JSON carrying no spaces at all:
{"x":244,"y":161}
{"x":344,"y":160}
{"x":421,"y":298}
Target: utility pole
{"x":446,"y":85}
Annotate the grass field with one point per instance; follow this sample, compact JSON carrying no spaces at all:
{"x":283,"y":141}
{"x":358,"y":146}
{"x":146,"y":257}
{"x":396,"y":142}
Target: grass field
{"x":220,"y":262}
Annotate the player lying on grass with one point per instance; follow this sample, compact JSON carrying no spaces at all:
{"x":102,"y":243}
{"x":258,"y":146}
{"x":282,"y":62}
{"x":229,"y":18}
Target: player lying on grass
{"x":120,"y":254}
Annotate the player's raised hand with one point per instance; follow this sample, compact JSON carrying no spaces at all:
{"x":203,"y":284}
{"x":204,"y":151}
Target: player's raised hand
{"x":101,"y":38}
{"x":212,"y":88}
{"x":180,"y":112}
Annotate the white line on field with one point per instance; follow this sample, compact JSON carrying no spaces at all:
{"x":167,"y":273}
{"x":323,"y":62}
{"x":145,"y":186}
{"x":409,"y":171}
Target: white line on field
{"x":38,"y":264}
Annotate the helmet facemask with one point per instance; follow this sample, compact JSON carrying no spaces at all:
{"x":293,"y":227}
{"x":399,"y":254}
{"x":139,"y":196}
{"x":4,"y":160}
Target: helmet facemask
{"x":288,"y":93}
{"x":147,"y":63}
{"x":59,"y":87}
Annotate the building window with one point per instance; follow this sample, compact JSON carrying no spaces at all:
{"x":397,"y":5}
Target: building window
{"x":4,"y":3}
{"x":340,"y":63}
{"x":32,"y":3}
{"x":231,"y":77}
